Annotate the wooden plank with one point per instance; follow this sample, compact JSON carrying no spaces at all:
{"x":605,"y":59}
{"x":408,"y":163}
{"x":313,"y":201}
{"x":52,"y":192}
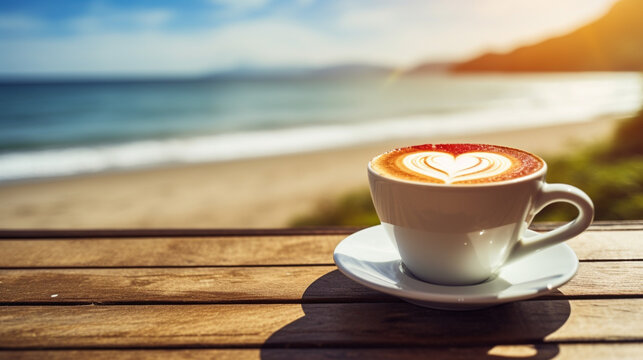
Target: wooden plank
{"x":288,"y":325}
{"x":617,"y":351}
{"x":256,"y":284}
{"x":326,"y":230}
{"x":217,"y":285}
{"x":602,"y":225}
{"x":606,"y":279}
{"x":206,"y":251}
{"x":231,"y":251}
{"x":608,"y":245}
{"x":136,"y":233}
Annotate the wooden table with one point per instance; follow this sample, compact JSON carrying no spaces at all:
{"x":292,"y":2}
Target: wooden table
{"x":276,"y":294}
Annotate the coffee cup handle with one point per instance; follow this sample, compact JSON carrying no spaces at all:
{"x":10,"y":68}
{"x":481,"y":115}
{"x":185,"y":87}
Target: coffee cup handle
{"x":551,"y":193}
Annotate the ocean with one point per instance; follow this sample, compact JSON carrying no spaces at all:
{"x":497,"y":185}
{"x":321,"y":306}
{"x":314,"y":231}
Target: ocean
{"x":60,"y":129}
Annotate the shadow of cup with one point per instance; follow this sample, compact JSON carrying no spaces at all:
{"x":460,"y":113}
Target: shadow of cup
{"x":378,"y":326}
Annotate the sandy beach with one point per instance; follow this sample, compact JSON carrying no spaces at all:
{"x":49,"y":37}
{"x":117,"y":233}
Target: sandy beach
{"x":263,"y":192}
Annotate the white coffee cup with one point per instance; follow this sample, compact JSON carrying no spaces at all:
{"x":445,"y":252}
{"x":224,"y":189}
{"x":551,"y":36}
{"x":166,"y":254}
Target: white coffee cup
{"x":463,"y":234}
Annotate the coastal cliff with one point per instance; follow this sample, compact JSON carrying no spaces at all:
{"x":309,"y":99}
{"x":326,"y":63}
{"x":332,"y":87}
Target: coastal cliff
{"x":613,"y":42}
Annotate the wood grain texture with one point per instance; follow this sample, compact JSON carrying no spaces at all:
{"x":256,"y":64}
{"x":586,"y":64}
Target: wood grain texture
{"x":254,"y":296}
{"x":142,"y":233}
{"x":618,"y":351}
{"x":193,"y":251}
{"x":326,"y":230}
{"x":256,"y":284}
{"x":234,"y":251}
{"x":285,"y":325}
{"x":596,"y":225}
{"x":608,"y":245}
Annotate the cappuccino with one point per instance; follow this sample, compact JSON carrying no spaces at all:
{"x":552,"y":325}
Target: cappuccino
{"x":456,"y":163}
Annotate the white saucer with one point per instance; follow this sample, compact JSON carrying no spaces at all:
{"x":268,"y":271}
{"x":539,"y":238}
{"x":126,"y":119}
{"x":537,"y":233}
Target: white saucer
{"x":369,"y":258}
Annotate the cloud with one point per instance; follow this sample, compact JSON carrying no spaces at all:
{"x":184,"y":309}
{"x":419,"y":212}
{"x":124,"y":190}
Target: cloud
{"x":114,"y":41}
{"x":238,"y":7}
{"x":19,"y":23}
{"x":304,"y":3}
{"x":258,"y":43}
{"x":105,"y":19}
{"x":442,"y":29}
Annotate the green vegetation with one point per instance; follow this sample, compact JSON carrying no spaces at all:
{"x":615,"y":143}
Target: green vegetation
{"x":611,"y":174}
{"x":352,"y":209}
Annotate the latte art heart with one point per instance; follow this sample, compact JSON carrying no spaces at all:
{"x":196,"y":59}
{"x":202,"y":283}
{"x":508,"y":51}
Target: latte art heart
{"x":450,"y":168}
{"x":456,"y":164}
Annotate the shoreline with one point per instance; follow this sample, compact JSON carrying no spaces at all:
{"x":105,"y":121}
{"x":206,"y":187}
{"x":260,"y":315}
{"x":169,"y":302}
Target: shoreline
{"x":257,"y":192}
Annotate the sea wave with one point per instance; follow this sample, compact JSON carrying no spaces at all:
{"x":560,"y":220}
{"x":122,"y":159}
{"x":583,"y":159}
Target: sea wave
{"x":252,"y":144}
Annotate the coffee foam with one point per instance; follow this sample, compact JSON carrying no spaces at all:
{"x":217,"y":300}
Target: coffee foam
{"x":456,"y":163}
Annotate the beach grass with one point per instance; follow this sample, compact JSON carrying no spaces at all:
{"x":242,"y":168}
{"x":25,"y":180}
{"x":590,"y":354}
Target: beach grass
{"x":354,"y":208}
{"x":610,"y":173}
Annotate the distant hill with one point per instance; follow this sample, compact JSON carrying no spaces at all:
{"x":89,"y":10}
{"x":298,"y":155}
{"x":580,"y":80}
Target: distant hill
{"x":341,"y":71}
{"x":614,"y":42}
{"x":333,"y":71}
{"x":350,"y":70}
{"x":431,"y":67}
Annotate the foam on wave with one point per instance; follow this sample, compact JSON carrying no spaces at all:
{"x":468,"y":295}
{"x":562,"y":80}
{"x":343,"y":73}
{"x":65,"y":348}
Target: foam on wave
{"x":252,"y":144}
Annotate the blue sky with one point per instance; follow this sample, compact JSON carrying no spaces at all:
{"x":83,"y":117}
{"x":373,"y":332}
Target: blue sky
{"x":118,"y":37}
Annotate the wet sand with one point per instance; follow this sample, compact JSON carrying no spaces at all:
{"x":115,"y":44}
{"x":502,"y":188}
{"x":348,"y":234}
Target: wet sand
{"x":264,"y":192}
